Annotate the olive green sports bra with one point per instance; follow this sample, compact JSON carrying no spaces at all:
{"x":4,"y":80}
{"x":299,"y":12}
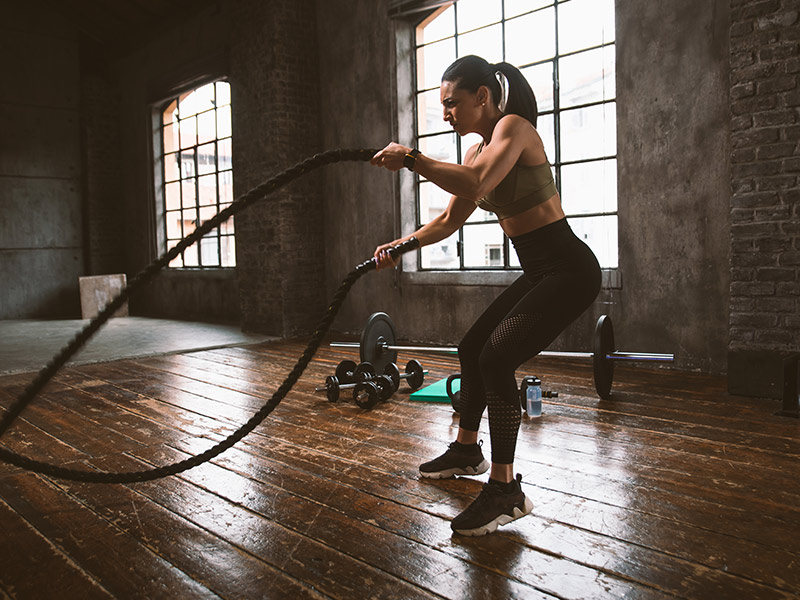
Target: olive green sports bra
{"x":524,"y":187}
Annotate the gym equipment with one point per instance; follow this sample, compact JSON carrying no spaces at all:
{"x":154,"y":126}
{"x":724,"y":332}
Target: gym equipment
{"x":349,"y":376}
{"x":378,"y":340}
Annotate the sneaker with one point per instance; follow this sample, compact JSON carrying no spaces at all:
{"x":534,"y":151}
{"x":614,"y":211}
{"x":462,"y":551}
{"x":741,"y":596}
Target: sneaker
{"x":493,"y":507}
{"x":458,"y":460}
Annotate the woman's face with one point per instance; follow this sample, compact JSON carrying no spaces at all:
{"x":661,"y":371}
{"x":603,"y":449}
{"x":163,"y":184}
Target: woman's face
{"x":462,"y":109}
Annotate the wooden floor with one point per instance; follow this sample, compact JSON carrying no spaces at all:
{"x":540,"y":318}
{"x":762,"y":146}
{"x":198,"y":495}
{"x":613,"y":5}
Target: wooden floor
{"x":671,"y":490}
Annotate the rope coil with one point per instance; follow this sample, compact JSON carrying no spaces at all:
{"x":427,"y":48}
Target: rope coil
{"x":144,"y":276}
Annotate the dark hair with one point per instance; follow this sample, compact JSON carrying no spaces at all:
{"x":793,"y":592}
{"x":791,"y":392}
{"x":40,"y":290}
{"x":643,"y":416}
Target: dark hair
{"x":471,"y":72}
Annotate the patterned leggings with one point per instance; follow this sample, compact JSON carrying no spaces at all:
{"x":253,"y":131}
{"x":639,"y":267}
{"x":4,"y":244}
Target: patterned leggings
{"x":561,"y":279}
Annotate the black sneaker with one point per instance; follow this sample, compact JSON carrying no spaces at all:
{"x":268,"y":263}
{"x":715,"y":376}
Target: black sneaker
{"x":458,"y":460}
{"x":493,"y":507}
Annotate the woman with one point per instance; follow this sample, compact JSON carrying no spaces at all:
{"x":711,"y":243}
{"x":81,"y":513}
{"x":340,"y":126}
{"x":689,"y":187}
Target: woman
{"x":507,"y":173}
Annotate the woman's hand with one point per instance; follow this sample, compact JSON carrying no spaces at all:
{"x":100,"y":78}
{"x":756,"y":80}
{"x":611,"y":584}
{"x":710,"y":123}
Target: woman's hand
{"x":391,"y":157}
{"x":383,"y":258}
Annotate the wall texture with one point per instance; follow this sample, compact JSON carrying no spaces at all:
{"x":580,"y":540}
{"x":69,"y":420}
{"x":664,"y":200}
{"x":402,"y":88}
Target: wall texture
{"x":765,"y":205}
{"x":41,"y":237}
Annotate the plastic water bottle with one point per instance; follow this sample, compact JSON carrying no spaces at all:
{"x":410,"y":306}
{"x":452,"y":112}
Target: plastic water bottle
{"x":533,"y":397}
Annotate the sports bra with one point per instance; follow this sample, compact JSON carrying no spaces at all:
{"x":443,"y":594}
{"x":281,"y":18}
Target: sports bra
{"x":523,"y":188}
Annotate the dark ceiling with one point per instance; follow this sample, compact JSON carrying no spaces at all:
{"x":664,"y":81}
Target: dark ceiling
{"x":119,"y":25}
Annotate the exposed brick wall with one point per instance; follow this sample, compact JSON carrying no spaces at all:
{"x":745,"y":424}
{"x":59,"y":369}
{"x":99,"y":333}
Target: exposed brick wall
{"x":275,"y":98}
{"x":765,"y":165}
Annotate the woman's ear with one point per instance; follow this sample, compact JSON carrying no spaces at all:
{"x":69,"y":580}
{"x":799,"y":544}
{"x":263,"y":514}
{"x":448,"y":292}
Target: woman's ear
{"x":483,"y":96}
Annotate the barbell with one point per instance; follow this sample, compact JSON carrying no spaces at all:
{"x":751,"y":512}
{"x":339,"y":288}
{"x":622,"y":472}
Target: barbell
{"x":378,"y":346}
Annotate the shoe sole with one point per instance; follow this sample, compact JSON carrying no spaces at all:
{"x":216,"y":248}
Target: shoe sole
{"x":492,"y":525}
{"x":478,"y":470}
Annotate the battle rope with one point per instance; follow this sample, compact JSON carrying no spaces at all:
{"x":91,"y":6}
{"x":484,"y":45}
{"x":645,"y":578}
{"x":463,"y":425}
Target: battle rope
{"x":58,"y":361}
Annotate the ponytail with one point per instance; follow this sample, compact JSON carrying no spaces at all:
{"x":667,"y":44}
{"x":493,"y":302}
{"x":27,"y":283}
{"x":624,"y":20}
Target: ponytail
{"x":471,"y":72}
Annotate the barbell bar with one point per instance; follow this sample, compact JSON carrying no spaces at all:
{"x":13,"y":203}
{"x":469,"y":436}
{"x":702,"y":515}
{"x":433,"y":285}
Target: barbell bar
{"x":378,"y":347}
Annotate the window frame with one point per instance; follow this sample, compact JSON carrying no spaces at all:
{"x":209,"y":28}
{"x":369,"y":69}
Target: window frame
{"x":160,"y":225}
{"x":408,"y":91}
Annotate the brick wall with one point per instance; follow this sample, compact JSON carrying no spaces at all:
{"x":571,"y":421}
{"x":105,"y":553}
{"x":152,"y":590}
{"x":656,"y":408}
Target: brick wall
{"x":275,"y":97}
{"x":765,"y":165}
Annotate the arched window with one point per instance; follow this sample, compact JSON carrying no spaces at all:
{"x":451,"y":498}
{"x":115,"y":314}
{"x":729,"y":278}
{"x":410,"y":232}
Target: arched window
{"x":194,"y":174}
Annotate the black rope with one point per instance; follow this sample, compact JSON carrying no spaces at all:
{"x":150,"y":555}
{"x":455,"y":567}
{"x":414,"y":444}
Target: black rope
{"x":146,"y":275}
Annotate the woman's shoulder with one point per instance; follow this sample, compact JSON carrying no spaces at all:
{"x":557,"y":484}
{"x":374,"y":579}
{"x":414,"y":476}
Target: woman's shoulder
{"x":513,"y":124}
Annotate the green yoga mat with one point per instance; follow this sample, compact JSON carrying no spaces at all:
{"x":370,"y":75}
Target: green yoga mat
{"x":435,"y":392}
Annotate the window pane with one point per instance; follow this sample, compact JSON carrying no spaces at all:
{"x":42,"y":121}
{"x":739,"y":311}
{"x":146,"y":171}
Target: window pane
{"x":173,"y":196}
{"x":174,"y":231}
{"x":228,"y":251}
{"x":589,"y":187}
{"x":432,"y":201}
{"x":223,"y":93}
{"x":190,"y":256}
{"x":467,"y":142}
{"x":513,"y":259}
{"x":587,"y":77}
{"x":487,"y":43}
{"x":188,"y":129}
{"x":531,"y":38}
{"x":206,"y":127}
{"x":206,"y":213}
{"x":206,"y":159}
{"x":189,"y":221}
{"x":589,"y":132}
{"x":178,"y":260}
{"x":225,"y":154}
{"x":441,"y":255}
{"x":540,"y":78}
{"x":197,"y":101}
{"x":600,"y":234}
{"x":188,"y":192}
{"x":441,"y":26}
{"x":440,"y":147}
{"x":481,"y":243}
{"x":187,"y":163}
{"x":226,"y":187}
{"x":430,"y":113}
{"x":170,"y":138}
{"x":547,"y":132}
{"x":226,"y":227}
{"x":209,"y":251}
{"x":171,"y":172}
{"x":208,"y":190}
{"x":475,"y":13}
{"x":517,"y":7}
{"x":432,"y":60}
{"x":224,"y":121}
{"x":585,"y":23}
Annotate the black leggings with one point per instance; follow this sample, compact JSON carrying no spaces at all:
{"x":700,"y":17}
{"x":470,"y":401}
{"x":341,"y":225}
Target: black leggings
{"x":561,"y":279}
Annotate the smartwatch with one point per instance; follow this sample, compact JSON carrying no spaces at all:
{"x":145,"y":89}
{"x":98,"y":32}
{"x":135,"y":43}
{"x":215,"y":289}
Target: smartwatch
{"x":410,"y":159}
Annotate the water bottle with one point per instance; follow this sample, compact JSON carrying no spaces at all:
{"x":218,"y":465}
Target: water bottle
{"x":533,"y":397}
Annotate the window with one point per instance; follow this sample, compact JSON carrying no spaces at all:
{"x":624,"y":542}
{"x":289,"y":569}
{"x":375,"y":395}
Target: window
{"x":565,"y":49}
{"x":194,"y":176}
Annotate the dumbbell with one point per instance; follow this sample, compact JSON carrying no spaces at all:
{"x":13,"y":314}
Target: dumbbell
{"x":348,"y":375}
{"x":368,"y":393}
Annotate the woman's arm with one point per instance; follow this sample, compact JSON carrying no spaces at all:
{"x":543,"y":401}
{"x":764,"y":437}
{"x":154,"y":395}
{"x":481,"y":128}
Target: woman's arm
{"x":439,"y":228}
{"x":511,"y":136}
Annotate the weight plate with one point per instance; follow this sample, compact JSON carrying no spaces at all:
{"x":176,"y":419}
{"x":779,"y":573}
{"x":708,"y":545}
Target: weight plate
{"x":385,"y":387}
{"x":363,"y":372}
{"x":394,"y":374}
{"x":345,"y":370}
{"x":366,"y":394}
{"x":416,"y":372}
{"x":603,"y":367}
{"x":378,"y":331}
{"x":332,"y":388}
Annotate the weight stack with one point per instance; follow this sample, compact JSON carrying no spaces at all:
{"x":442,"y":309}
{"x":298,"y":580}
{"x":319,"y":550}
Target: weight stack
{"x":766,"y":374}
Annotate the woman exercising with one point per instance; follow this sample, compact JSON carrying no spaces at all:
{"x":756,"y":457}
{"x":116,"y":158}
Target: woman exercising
{"x":507,"y":173}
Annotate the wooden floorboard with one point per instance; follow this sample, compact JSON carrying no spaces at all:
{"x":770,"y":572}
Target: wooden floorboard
{"x":671,"y":489}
